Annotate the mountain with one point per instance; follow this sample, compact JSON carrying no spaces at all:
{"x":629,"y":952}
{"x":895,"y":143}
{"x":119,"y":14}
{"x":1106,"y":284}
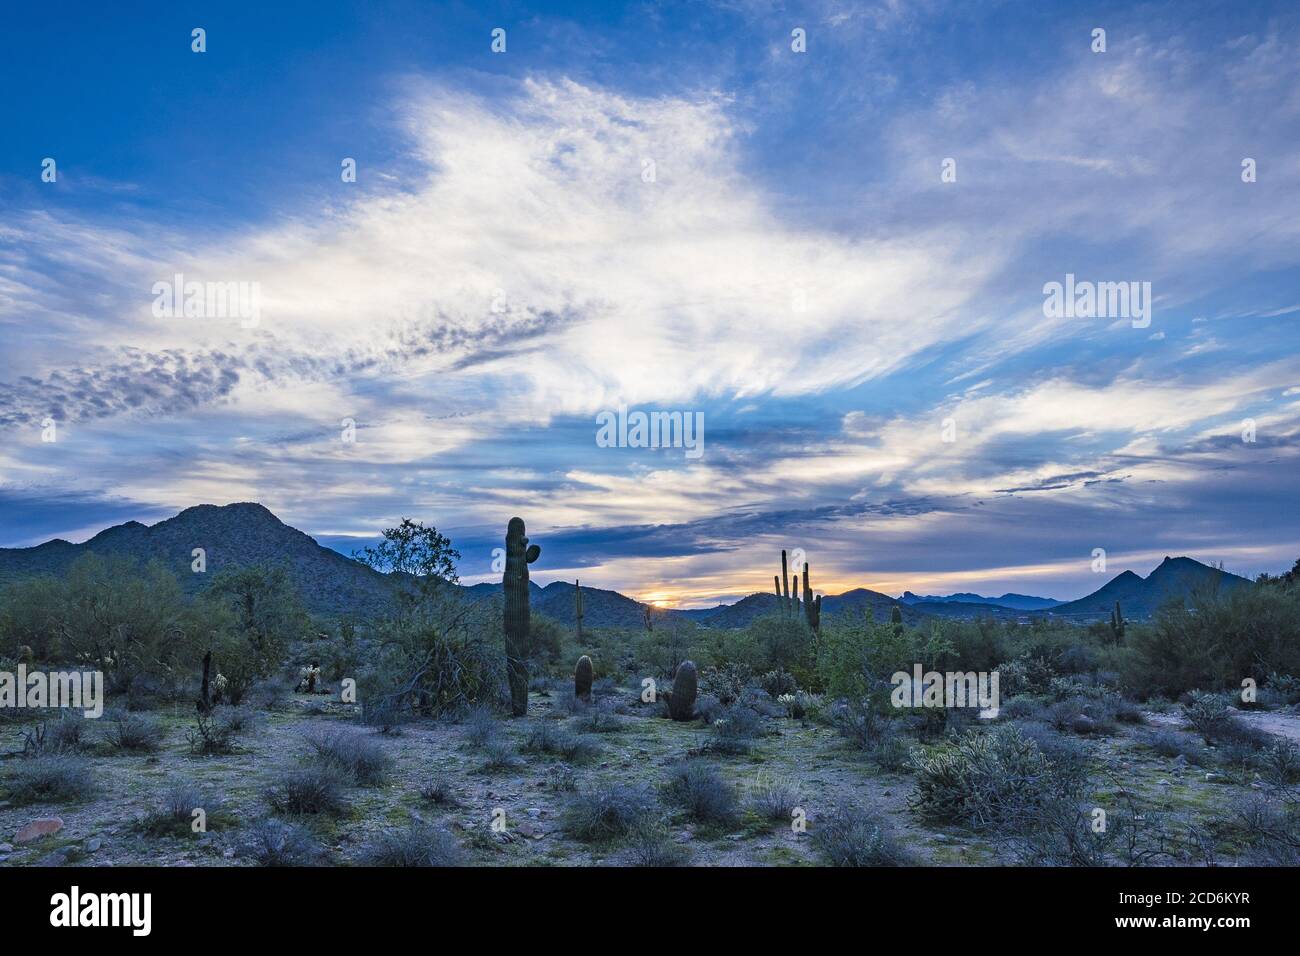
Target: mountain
{"x":1140,"y":597}
{"x":231,"y":535}
{"x":247,"y":533}
{"x":1016,"y":602}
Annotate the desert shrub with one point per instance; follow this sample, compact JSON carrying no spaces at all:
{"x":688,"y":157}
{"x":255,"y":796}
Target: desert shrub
{"x":133,"y":732}
{"x":1083,"y":715}
{"x":651,"y":844}
{"x":736,"y":731}
{"x":1270,"y":830}
{"x":359,"y":756}
{"x":439,"y":652}
{"x":276,"y":843}
{"x":850,"y":837}
{"x":1023,"y":707}
{"x":50,"y":779}
{"x":272,"y":693}
{"x":561,"y":778}
{"x":982,"y":777}
{"x":708,"y":708}
{"x":546,"y":738}
{"x":1280,"y":762}
{"x":109,"y":614}
{"x":774,"y":798}
{"x":599,"y":718}
{"x":760,"y":702}
{"x":779,"y":683}
{"x":64,"y":735}
{"x":239,"y":719}
{"x":700,"y":790}
{"x":1063,"y":831}
{"x":606,"y":811}
{"x":890,"y":751}
{"x":308,"y":791}
{"x":1285,"y":686}
{"x":1210,"y":716}
{"x":726,"y":681}
{"x":1067,"y":758}
{"x":1225,"y":635}
{"x":267,"y":616}
{"x":385,"y":716}
{"x":174,"y":811}
{"x":1127,"y":712}
{"x":481,"y":725}
{"x":499,"y":755}
{"x":1171,"y":743}
{"x":416,"y":845}
{"x":211,"y":735}
{"x":439,"y":792}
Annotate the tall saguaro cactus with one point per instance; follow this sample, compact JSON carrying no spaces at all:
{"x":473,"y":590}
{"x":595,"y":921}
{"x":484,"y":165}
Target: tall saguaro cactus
{"x":812,"y":606}
{"x":519,"y":554}
{"x":809,"y":605}
{"x":1117,"y":623}
{"x":577,"y":608}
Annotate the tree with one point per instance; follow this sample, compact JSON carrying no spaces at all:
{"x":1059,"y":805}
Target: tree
{"x":267,"y":616}
{"x":420,"y":560}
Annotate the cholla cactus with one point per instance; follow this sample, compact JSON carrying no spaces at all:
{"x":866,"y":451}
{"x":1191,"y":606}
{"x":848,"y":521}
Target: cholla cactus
{"x":308,"y":676}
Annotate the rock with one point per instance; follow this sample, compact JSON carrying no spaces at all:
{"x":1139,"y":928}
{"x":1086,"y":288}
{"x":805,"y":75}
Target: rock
{"x":38,"y":828}
{"x":1214,"y":778}
{"x":228,"y":853}
{"x":6,"y":847}
{"x":93,"y":844}
{"x":57,"y":858}
{"x":1083,"y":724}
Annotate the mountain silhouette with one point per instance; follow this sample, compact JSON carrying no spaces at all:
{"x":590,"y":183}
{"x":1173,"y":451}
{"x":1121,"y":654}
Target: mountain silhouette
{"x":331,"y":584}
{"x":1141,"y":597}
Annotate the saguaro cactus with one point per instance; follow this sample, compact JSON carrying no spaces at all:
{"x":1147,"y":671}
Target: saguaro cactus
{"x":519,"y":554}
{"x":812,"y":606}
{"x":793,"y":605}
{"x":582,"y":679}
{"x":1117,"y":623}
{"x":577,"y":607}
{"x":204,"y":703}
{"x":681,"y":704}
{"x":649,"y":622}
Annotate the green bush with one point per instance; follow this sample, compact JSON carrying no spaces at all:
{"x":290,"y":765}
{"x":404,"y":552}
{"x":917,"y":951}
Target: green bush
{"x":983,"y":778}
{"x":1223,"y":637}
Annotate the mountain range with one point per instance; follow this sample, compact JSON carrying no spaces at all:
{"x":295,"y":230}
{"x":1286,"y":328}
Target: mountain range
{"x":331,"y":584}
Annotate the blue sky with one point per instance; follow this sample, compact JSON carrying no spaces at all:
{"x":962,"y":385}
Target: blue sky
{"x":796,"y":270}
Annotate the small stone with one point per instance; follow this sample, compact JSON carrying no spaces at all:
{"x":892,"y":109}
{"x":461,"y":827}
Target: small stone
{"x":1213,"y":778}
{"x":57,"y":858}
{"x":6,"y":847}
{"x":228,"y":853}
{"x":93,"y":845}
{"x":38,"y":828}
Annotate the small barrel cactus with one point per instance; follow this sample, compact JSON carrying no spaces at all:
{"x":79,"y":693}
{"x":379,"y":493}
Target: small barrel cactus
{"x":681,"y":705}
{"x":519,"y":554}
{"x":582,"y":679}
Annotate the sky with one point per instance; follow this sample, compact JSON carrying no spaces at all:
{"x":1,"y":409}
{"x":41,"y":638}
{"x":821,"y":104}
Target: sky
{"x":826,"y":230}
